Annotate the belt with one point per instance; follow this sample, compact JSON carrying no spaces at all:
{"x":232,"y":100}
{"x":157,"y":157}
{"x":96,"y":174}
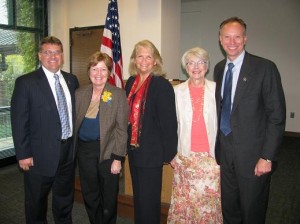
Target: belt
{"x":64,"y":141}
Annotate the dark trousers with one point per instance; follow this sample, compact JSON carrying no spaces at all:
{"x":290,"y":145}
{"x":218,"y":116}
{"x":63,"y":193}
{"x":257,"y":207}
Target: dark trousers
{"x":146,"y":185}
{"x":37,"y":188}
{"x":98,"y":185}
{"x":244,"y":199}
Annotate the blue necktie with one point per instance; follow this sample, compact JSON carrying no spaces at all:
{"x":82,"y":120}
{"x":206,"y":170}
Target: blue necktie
{"x":226,"y":102}
{"x":62,"y":108}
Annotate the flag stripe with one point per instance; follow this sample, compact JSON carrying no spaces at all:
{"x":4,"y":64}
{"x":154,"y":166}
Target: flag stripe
{"x":107,"y":42}
{"x":111,"y":43}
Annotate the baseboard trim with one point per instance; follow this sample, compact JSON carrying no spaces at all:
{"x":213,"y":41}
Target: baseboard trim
{"x":125,"y":204}
{"x":78,"y":195}
{"x":126,"y":210}
{"x":8,"y":161}
{"x":292,"y":134}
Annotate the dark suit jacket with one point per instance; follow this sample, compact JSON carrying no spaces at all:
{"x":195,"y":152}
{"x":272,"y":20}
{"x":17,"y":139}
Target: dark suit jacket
{"x":258,"y":112}
{"x":158,"y":142}
{"x":113,"y":120}
{"x":35,"y":120}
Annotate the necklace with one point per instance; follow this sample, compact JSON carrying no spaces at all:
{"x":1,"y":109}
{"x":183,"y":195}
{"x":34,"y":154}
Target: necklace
{"x":197,"y":100}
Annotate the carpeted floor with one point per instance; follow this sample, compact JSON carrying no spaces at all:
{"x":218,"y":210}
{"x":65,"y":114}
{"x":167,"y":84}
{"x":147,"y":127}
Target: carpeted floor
{"x":284,"y":200}
{"x":12,"y":200}
{"x":284,"y":204}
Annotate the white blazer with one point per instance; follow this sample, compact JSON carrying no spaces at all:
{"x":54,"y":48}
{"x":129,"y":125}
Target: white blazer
{"x":184,"y":113}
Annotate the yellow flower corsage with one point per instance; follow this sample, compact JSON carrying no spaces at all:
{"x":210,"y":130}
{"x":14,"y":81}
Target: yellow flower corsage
{"x":107,"y":96}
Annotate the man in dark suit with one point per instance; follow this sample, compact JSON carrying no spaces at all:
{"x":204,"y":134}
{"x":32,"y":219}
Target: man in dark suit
{"x":251,"y":133}
{"x":42,"y":142}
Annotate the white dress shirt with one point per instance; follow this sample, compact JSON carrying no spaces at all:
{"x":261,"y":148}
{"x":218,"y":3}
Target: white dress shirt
{"x":51,"y":80}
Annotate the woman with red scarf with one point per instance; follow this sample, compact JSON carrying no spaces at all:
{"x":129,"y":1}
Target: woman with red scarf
{"x":152,"y":130}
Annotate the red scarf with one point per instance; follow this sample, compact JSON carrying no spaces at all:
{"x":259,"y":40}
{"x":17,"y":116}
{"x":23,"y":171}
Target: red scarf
{"x":137,"y":102}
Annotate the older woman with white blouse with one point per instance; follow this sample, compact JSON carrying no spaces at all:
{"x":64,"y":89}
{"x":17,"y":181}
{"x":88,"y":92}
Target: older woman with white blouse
{"x":196,"y":183}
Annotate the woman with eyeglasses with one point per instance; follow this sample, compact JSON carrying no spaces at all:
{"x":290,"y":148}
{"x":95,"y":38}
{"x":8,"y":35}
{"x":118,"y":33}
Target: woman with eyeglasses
{"x":196,"y":183}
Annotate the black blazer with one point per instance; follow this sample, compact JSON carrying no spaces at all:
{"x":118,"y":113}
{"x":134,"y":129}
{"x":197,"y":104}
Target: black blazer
{"x":158,"y":143}
{"x":258,"y":112}
{"x":35,"y":120}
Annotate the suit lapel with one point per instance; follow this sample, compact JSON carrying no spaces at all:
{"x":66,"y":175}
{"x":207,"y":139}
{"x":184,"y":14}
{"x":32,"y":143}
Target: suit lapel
{"x":105,"y":111}
{"x":219,"y":79}
{"x":186,"y":97}
{"x":208,"y":95}
{"x":85,"y":101}
{"x":244,"y":79}
{"x":68,"y":81}
{"x":44,"y":86}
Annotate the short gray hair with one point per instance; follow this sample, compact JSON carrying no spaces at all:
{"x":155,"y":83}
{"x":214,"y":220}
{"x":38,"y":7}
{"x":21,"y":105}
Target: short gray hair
{"x":196,"y":52}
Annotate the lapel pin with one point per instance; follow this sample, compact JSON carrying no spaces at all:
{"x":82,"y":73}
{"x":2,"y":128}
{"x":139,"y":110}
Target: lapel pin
{"x":245,"y":79}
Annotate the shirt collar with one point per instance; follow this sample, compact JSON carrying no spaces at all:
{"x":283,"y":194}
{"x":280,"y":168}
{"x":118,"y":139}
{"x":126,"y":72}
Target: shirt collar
{"x":50,"y":74}
{"x":238,"y":61}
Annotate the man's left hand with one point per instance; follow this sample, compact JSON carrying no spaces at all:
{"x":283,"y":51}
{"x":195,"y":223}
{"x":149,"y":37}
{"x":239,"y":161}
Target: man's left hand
{"x":262,"y":167}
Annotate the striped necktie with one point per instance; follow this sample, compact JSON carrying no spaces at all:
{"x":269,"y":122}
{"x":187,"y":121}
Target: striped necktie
{"x":62,"y":108}
{"x":226,"y":102}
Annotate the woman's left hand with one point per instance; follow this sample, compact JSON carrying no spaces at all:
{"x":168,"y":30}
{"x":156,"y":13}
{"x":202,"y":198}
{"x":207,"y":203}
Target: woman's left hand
{"x":172,"y":163}
{"x":116,"y":167}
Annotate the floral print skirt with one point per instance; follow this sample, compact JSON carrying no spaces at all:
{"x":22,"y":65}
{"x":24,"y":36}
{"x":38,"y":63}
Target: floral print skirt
{"x":196,"y":197}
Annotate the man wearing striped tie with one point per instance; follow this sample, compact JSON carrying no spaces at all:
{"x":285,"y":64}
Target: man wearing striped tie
{"x":42,"y":117}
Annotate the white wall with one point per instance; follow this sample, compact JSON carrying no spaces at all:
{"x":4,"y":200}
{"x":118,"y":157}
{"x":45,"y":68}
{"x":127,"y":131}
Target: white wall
{"x":139,"y":19}
{"x":273,"y":33}
{"x":170,"y":49}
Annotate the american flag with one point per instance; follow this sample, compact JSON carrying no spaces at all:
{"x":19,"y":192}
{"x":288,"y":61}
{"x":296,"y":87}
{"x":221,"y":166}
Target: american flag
{"x":111,"y":43}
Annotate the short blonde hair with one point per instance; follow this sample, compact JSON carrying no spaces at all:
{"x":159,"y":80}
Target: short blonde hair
{"x":157,"y":69}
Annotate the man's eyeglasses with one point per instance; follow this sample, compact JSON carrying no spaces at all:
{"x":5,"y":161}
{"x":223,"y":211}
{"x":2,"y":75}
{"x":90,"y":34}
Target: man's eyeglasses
{"x":51,"y":53}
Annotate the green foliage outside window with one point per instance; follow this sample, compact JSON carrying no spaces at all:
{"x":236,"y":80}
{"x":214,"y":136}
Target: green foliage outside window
{"x":26,"y":43}
{"x":15,"y":68}
{"x":23,"y":23}
{"x":26,"y":34}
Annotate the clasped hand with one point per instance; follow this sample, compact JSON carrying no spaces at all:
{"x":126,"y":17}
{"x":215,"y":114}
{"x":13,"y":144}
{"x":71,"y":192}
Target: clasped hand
{"x":116,"y":167}
{"x":25,"y":164}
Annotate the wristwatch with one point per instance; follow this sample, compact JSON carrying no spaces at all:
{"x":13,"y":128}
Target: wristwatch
{"x":269,"y":161}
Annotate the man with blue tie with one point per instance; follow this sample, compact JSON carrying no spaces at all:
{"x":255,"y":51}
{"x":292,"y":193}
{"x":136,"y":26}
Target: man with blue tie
{"x":251,"y":108}
{"x":42,"y":117}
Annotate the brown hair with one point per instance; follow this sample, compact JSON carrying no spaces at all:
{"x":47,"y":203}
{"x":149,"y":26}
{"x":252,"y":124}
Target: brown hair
{"x":95,"y":58}
{"x":51,"y":40}
{"x":234,"y":20}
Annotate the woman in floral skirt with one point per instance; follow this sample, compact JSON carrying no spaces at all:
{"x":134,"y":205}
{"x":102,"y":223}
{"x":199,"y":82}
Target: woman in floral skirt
{"x":196,"y":183}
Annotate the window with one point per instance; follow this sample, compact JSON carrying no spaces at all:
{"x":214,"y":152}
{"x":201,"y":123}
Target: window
{"x":23,"y":23}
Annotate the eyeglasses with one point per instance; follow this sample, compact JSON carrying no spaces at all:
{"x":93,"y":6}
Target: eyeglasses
{"x":194,"y":63}
{"x":51,"y":53}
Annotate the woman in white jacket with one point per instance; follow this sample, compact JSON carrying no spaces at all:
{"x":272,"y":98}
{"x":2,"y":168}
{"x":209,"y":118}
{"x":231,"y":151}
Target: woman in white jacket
{"x":196,"y":183}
